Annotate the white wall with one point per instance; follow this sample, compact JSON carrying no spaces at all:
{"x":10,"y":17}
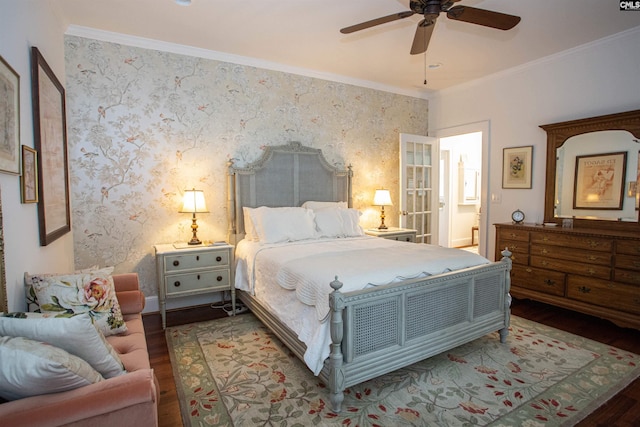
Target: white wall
{"x":24,"y":24}
{"x":596,"y":79}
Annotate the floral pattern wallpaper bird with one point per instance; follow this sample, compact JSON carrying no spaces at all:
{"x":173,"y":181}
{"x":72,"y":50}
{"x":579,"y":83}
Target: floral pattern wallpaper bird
{"x":144,"y":125}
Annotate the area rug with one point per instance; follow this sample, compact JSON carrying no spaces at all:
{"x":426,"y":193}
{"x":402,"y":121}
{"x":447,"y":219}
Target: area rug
{"x":234,"y":372}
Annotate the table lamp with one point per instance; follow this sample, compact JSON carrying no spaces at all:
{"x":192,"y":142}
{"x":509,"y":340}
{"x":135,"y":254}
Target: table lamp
{"x":193,"y":202}
{"x":382,"y":198}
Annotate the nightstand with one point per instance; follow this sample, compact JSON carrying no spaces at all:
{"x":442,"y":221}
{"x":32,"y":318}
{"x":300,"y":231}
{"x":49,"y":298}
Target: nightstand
{"x":193,"y":270}
{"x":393,"y":233}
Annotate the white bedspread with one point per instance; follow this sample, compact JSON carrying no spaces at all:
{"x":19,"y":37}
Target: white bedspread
{"x":282,"y":275}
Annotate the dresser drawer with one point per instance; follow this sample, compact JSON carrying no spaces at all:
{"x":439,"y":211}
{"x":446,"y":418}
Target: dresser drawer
{"x":573,"y":241}
{"x":512,"y":234}
{"x":561,"y":252}
{"x":630,"y":247}
{"x":548,"y":282}
{"x":190,"y":282}
{"x":604,"y":293}
{"x":582,"y":268}
{"x":519,"y":251}
{"x":630,"y":262}
{"x":189,"y":261}
{"x":627,"y":276}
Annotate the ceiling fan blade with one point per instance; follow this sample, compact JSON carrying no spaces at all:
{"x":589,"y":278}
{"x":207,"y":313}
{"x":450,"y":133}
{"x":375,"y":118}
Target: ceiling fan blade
{"x":487,"y":18}
{"x":422,"y":37}
{"x":378,"y":21}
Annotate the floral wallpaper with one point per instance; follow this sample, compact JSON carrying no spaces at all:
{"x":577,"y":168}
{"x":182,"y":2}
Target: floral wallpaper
{"x":144,"y":125}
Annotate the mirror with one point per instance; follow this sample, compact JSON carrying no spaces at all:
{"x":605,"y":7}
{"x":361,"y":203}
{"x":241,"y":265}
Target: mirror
{"x":593,"y":171}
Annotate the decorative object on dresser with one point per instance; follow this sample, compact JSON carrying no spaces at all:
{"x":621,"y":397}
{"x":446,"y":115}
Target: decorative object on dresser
{"x":193,"y":270}
{"x":594,"y":271}
{"x":193,"y":202}
{"x":382,"y":198}
{"x":394,"y":233}
{"x":517,"y":216}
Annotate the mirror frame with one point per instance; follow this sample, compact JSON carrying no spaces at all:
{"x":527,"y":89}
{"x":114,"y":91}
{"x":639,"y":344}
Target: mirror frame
{"x":557,"y":135}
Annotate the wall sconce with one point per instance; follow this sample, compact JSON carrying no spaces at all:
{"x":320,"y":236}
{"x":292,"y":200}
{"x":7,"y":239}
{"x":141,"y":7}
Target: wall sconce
{"x":193,"y":202}
{"x":382,"y":198}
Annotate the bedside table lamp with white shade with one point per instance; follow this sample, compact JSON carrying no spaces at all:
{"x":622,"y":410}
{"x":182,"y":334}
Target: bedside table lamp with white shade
{"x":382,"y":198}
{"x":193,"y":202}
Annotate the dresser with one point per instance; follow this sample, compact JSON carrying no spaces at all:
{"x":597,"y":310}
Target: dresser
{"x":592,"y":271}
{"x":393,"y":233}
{"x":193,"y":270}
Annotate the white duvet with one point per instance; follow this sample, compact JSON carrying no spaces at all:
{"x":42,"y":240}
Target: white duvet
{"x":284,"y":275}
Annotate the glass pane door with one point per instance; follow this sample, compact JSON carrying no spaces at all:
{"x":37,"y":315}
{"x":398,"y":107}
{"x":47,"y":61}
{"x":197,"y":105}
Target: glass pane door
{"x":418,"y":186}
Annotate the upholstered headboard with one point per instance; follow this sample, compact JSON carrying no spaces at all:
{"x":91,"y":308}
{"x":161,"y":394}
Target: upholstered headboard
{"x":285,"y":175}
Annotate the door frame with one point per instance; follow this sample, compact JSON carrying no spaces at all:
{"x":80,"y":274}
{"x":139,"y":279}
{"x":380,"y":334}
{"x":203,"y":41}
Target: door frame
{"x":483,"y":222}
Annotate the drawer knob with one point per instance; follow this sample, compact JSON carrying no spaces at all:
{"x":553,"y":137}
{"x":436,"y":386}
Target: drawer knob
{"x":218,"y":258}
{"x":176,"y":283}
{"x":198,"y":277}
{"x":219,"y":278}
{"x":549,"y":282}
{"x":529,"y":270}
{"x":176,"y":263}
{"x":197,"y":257}
{"x":584,"y":289}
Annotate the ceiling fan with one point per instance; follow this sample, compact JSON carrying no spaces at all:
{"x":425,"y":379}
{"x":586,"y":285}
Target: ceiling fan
{"x":431,"y":9}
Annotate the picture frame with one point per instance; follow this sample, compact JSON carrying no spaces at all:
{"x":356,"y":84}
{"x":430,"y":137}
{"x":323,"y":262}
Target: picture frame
{"x":50,"y":135}
{"x":29,"y":177}
{"x":599,"y":181}
{"x":517,"y":167}
{"x":9,"y":119}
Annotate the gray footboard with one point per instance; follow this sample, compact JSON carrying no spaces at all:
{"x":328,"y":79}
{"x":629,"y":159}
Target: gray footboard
{"x":379,"y":330}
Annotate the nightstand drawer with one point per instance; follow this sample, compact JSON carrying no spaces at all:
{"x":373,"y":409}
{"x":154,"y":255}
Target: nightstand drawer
{"x":191,"y":261}
{"x":208,"y":280}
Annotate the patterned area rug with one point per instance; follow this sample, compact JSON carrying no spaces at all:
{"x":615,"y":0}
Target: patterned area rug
{"x":234,"y":372}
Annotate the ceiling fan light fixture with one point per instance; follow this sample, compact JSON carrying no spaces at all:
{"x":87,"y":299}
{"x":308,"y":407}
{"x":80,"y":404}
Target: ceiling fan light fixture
{"x":435,"y":66}
{"x":183,"y":2}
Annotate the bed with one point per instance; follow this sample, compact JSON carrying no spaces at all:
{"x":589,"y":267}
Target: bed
{"x":348,"y":333}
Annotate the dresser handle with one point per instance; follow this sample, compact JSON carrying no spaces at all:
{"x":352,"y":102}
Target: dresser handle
{"x":218,"y":258}
{"x":219,"y":278}
{"x":528,"y":270}
{"x":176,"y":263}
{"x":545,"y":263}
{"x":549,"y":282}
{"x":592,"y":258}
{"x":584,"y":289}
{"x":176,"y":283}
{"x":198,"y":277}
{"x":197,"y":257}
{"x":591,"y":271}
{"x":544,"y":252}
{"x":513,"y":235}
{"x":545,"y":239}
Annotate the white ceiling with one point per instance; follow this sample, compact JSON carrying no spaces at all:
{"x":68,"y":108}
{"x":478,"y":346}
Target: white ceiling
{"x":303,"y":35}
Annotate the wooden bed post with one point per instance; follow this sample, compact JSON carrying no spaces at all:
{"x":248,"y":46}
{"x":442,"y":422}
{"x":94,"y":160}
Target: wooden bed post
{"x":506,"y":257}
{"x":336,"y":373}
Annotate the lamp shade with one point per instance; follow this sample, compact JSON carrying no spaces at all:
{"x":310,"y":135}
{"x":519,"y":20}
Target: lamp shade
{"x":193,"y":201}
{"x":382,"y":198}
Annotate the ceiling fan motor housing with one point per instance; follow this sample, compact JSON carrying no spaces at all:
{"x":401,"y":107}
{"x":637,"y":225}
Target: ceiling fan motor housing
{"x":429,"y":8}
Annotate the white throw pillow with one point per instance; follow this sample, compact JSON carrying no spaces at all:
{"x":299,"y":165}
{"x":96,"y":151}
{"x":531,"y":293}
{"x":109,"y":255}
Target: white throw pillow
{"x":338,"y":222}
{"x":249,"y":229}
{"x":321,"y":205}
{"x":285,"y":224}
{"x":31,"y":368}
{"x":76,"y":335}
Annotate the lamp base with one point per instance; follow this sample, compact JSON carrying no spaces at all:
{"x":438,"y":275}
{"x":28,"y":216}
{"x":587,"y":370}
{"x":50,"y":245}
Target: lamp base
{"x":194,"y":242}
{"x":383,"y":227}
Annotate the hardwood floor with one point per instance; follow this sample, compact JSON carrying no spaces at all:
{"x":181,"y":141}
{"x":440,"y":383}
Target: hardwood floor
{"x":622,"y":410}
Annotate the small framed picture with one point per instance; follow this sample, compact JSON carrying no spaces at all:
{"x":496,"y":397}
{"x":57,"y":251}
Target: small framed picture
{"x":516,"y":167}
{"x":29,"y":178}
{"x":599,"y":181}
{"x":9,"y":119}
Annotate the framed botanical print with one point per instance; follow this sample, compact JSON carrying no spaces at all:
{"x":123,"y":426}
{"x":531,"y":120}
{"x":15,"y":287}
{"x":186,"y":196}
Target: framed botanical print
{"x":599,"y":181}
{"x":516,"y":167}
{"x":50,"y":134}
{"x":29,"y":178}
{"x":9,"y":119}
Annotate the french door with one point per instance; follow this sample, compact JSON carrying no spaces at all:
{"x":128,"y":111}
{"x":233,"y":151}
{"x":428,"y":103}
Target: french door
{"x":419,"y":163}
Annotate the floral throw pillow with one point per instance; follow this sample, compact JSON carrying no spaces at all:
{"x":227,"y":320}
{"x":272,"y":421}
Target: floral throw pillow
{"x":91,"y":292}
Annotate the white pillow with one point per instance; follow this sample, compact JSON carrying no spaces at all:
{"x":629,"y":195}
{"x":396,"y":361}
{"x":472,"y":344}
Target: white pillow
{"x":320,"y":205}
{"x":76,"y":335}
{"x":249,"y":229}
{"x":286,"y":224}
{"x":32,"y":368}
{"x":338,"y":222}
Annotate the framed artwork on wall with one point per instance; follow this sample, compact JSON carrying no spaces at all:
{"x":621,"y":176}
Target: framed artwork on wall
{"x":599,"y":181}
{"x":29,"y":178}
{"x":50,"y":134}
{"x":516,"y":167}
{"x":9,"y":119}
